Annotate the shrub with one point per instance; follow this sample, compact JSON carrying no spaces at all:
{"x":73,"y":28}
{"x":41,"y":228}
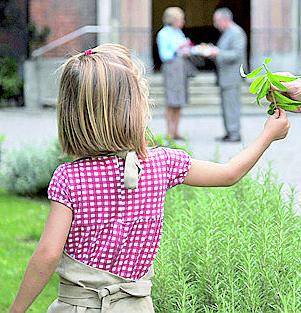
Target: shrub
{"x":37,"y":37}
{"x":10,"y":81}
{"x":27,"y":171}
{"x":229,"y":250}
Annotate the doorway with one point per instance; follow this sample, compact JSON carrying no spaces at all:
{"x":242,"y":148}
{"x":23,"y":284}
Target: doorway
{"x":199,"y":27}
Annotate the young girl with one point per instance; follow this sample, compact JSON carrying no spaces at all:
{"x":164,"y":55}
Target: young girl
{"x":105,"y":223}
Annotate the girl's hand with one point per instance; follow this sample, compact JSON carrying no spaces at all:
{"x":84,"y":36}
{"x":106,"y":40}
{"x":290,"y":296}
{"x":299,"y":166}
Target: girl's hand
{"x":277,"y":126}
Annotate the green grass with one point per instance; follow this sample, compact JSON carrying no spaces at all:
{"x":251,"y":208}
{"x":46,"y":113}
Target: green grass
{"x":21,"y":223}
{"x":223,"y":250}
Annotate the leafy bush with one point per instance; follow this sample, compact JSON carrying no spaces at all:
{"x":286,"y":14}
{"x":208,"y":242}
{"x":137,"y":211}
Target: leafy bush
{"x":37,"y":37}
{"x":10,"y":81}
{"x":229,"y":250}
{"x":27,"y":171}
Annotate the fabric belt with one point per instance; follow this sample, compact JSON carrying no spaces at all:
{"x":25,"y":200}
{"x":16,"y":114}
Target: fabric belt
{"x":101,"y":299}
{"x":83,"y":287}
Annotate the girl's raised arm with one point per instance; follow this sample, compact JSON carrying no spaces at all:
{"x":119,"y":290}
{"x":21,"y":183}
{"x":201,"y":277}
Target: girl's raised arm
{"x":45,"y":258}
{"x":203,"y":173}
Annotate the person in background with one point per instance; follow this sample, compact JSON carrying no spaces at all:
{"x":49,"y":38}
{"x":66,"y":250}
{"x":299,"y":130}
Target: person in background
{"x":173,"y":49}
{"x":229,"y":54}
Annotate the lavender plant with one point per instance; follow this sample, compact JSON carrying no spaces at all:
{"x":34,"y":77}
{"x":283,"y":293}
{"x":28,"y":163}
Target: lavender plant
{"x":262,"y":87}
{"x":230,"y":250}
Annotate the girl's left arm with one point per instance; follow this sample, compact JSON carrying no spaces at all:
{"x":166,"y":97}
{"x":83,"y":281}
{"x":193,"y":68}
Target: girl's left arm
{"x":45,"y":258}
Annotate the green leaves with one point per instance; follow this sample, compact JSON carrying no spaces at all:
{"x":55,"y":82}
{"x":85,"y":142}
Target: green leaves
{"x":283,"y":99}
{"x":290,"y":107}
{"x":263,"y":91}
{"x":266,"y":83}
{"x":256,"y":72}
{"x":274,"y":81}
{"x":257,"y":84}
{"x":283,"y":78}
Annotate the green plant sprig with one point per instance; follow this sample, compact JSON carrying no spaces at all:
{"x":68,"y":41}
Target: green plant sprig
{"x":2,"y":138}
{"x":261,"y":87}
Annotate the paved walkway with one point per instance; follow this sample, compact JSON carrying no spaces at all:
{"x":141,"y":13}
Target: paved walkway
{"x":22,"y":127}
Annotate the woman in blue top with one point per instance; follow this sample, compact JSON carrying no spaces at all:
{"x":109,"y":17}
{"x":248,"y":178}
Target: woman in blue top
{"x":173,"y":49}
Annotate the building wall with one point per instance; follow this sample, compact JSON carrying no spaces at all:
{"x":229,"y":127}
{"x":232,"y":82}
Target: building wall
{"x":63,"y":17}
{"x":275,"y":32}
{"x":136,"y":27}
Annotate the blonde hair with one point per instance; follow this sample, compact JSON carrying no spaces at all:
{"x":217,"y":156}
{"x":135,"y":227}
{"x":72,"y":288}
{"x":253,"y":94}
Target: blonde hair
{"x":171,"y":14}
{"x":103,"y":103}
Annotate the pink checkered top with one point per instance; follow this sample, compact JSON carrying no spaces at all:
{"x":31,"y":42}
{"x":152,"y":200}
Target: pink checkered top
{"x":113,"y":228}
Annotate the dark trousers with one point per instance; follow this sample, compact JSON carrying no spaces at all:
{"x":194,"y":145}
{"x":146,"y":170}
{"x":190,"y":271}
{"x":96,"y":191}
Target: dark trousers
{"x":230,"y":97}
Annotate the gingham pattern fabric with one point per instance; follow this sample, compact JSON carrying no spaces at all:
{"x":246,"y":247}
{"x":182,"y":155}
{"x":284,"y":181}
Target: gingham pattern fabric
{"x":114,"y":228}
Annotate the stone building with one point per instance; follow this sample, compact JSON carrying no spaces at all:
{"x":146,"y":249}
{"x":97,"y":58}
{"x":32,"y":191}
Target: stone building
{"x":272,"y":26}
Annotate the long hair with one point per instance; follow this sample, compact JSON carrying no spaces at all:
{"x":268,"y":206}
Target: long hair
{"x":103,"y":103}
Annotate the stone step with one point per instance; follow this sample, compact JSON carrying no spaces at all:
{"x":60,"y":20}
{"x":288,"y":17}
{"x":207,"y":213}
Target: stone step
{"x":198,"y":101}
{"x":197,"y":90}
{"x":204,"y":78}
{"x":201,"y":78}
{"x":195,"y":101}
{"x":209,"y":110}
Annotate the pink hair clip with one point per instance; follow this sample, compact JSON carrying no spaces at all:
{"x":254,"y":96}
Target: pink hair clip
{"x":88,"y":52}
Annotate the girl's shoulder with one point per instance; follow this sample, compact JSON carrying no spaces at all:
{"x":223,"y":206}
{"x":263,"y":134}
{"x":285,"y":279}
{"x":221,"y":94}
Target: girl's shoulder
{"x":158,"y":152}
{"x":64,"y":169}
{"x":61,"y":169}
{"x":167,"y":154}
{"x":175,"y":162}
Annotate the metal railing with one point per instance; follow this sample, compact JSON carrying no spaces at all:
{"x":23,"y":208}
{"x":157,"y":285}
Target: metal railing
{"x":92,"y":29}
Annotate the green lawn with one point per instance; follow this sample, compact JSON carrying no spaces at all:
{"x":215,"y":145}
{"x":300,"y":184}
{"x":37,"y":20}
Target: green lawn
{"x":21,"y":223}
{"x":223,"y":250}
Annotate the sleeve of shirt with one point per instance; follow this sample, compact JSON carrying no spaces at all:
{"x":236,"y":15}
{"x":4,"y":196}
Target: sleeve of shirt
{"x":178,"y":165}
{"x":59,"y":188}
{"x":166,"y":51}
